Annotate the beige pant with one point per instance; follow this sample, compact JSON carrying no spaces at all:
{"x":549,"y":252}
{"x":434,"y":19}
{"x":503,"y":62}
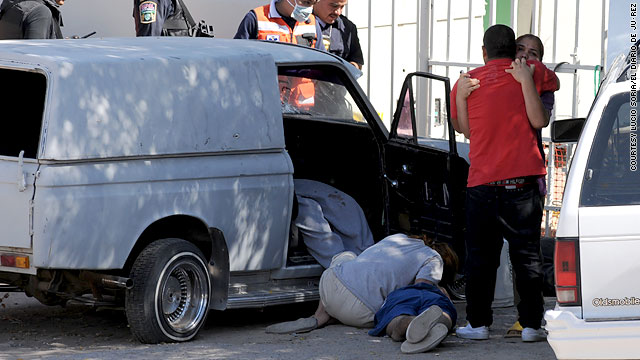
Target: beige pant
{"x":338,"y":301}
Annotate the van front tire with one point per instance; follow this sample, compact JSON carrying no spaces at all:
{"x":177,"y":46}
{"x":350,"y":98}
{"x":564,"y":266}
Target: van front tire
{"x":170,"y":296}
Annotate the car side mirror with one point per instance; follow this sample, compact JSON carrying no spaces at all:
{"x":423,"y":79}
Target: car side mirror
{"x":564,"y":131}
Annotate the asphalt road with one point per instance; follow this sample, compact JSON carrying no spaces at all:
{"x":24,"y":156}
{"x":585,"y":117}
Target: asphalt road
{"x":29,"y":330}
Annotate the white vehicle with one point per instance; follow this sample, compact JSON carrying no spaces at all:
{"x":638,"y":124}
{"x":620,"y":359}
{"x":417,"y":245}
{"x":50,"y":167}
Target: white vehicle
{"x":597,"y":256}
{"x":157,"y":173}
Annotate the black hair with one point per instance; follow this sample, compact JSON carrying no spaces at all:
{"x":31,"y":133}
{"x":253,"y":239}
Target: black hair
{"x":500,"y":42}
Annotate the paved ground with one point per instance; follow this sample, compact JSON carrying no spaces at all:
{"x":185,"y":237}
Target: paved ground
{"x":29,"y":330}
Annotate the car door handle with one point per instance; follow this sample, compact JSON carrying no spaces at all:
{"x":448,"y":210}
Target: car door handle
{"x":393,"y":183}
{"x":589,"y":174}
{"x":22,"y":179}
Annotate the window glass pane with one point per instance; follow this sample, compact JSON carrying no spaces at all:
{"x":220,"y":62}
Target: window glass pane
{"x":317,"y":92}
{"x":431,"y":114}
{"x":405,"y":126}
{"x":429,"y":108}
{"x":22,"y":97}
{"x":612,"y":177}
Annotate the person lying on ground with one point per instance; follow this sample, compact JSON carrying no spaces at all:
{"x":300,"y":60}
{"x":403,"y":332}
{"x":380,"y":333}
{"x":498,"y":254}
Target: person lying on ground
{"x":354,"y":288}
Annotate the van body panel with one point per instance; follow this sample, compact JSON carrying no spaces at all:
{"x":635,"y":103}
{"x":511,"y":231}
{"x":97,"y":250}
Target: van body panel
{"x":609,"y":283}
{"x":131,"y":99}
{"x":16,"y":192}
{"x":89,"y":215}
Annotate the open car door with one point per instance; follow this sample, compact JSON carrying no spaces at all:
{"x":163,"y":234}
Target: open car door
{"x":426,"y":176}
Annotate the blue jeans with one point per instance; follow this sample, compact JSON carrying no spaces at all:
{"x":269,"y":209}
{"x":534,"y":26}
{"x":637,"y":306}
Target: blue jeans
{"x":494,"y":212}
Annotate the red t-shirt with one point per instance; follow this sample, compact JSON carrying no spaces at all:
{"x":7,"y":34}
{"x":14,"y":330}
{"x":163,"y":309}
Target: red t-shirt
{"x":502,"y":143}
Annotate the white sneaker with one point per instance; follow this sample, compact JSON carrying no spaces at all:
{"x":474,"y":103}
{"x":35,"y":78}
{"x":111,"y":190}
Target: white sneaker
{"x":477,"y":333}
{"x":533,"y":335}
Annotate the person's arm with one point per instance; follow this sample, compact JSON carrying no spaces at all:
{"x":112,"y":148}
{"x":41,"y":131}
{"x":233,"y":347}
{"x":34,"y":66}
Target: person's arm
{"x":355,"y":51}
{"x":538,"y":116}
{"x":463,"y":88}
{"x":37,"y":23}
{"x":319,"y":43}
{"x":149,"y":16}
{"x":248,"y":28}
{"x":548,"y":99}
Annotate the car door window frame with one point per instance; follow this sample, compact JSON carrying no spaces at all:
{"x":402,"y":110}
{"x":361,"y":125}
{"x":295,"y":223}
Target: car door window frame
{"x":407,"y":89}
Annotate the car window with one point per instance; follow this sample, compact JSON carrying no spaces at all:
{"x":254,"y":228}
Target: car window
{"x":612,"y":177}
{"x":22,"y":108}
{"x":424,"y":99}
{"x":317,"y":92}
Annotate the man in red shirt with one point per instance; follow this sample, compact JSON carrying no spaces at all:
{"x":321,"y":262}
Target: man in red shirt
{"x":503,"y":199}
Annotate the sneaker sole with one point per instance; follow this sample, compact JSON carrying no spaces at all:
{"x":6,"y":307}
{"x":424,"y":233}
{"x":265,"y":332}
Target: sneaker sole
{"x":473,"y":336}
{"x":421,"y":324}
{"x":433,"y":338}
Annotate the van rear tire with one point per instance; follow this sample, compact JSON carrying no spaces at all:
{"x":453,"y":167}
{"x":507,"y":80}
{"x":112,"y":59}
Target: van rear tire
{"x":170,"y":297}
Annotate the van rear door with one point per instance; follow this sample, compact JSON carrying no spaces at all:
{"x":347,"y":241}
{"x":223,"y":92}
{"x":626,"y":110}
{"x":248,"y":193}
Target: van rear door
{"x":608,"y":217}
{"x":22,"y":97}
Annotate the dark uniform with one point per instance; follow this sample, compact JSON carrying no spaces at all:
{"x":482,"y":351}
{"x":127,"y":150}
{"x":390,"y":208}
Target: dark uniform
{"x":166,"y":18}
{"x":341,"y":39}
{"x":30,"y":19}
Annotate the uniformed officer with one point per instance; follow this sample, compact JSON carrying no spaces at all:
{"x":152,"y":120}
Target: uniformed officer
{"x":294,"y":22}
{"x":30,"y":19}
{"x":166,"y":18}
{"x":339,"y":34}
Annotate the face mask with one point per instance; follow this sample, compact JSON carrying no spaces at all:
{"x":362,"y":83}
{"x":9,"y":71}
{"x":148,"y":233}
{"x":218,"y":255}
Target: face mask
{"x":301,"y":13}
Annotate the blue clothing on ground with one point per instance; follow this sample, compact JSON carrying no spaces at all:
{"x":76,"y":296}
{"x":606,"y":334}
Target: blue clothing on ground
{"x":411,"y":300}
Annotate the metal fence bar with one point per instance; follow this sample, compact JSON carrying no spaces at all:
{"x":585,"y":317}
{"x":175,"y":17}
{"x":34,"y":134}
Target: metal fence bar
{"x":492,"y":12}
{"x":535,"y":29}
{"x":574,"y":103}
{"x":393,"y":57}
{"x":448,"y":33}
{"x":564,"y":68}
{"x":424,"y":29}
{"x":369,"y":31}
{"x":603,"y":34}
{"x":555,"y":29}
{"x":469,"y":32}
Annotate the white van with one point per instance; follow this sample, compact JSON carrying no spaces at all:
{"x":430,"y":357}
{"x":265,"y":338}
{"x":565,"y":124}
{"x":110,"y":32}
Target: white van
{"x":597,"y":255}
{"x":157,"y":173}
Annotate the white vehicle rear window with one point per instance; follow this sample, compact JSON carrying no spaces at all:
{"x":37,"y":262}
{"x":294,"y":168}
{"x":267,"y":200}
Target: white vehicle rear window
{"x":612,"y":176}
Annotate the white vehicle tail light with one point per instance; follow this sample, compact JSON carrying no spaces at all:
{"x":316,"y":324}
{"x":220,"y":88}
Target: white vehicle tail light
{"x":567,"y":272}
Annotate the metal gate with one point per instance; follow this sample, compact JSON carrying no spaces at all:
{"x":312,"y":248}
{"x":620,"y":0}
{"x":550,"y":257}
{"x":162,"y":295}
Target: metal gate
{"x":444,"y":37}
